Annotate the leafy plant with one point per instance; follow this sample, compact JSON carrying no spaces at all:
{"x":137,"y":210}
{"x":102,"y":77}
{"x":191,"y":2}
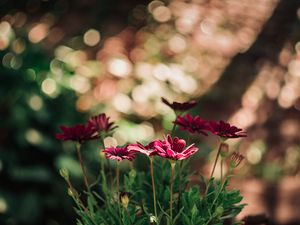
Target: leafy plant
{"x":159,"y":194}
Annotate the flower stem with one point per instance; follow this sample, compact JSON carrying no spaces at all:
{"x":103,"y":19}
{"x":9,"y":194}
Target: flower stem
{"x":171,"y":191}
{"x":216,"y":160}
{"x":107,"y":161}
{"x":174,"y":124}
{"x":85,"y":179}
{"x":221,"y":169}
{"x":179,"y":183}
{"x":109,"y":171}
{"x":118,"y":187}
{"x":173,"y":129}
{"x":118,"y":179}
{"x":128,"y":215}
{"x":153,"y":187}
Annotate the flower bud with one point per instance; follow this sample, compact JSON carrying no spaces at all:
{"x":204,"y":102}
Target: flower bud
{"x":132,"y":173}
{"x":70,"y":192}
{"x":124,"y":199}
{"x":224,"y":149}
{"x":64,"y":173}
{"x":153,"y":219}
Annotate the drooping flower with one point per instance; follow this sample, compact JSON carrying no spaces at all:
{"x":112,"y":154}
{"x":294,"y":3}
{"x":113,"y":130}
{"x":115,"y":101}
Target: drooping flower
{"x":174,"y":148}
{"x":119,"y":153}
{"x":225,"y":130}
{"x":79,"y":133}
{"x":176,"y":106}
{"x":101,"y":123}
{"x":147,"y":150}
{"x":236,"y":159}
{"x":192,"y":124}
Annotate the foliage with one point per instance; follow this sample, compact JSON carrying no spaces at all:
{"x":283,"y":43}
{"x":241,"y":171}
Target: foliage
{"x":102,"y":207}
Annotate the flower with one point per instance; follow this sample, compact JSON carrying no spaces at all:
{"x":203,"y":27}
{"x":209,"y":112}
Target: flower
{"x":79,"y":133}
{"x":119,"y":154}
{"x":225,"y":130}
{"x":101,"y":123}
{"x":235,"y":159}
{"x":148,"y":150}
{"x":180,"y":106}
{"x":192,"y":124}
{"x":174,"y":148}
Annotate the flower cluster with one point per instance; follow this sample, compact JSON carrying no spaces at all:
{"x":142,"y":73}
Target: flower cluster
{"x":169,"y":148}
{"x":83,"y":132}
{"x":198,"y":125}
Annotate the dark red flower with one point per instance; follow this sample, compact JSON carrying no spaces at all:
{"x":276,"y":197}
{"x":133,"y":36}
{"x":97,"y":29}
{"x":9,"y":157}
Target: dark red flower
{"x":119,"y":154}
{"x":79,"y":133}
{"x":225,"y":130}
{"x":174,"y":148}
{"x":101,"y":123}
{"x":192,"y":124}
{"x":176,"y":106}
{"x":148,"y":150}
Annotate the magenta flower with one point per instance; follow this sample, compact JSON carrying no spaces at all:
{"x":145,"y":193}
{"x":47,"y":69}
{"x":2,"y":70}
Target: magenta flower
{"x":192,"y":124}
{"x":176,"y":106}
{"x":101,"y":123}
{"x":225,"y":130}
{"x":79,"y":133}
{"x":174,"y":148}
{"x":147,"y":150}
{"x":119,"y":154}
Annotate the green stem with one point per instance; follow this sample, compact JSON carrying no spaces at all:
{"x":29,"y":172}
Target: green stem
{"x":216,"y":160}
{"x":222,"y":169}
{"x":216,"y":198}
{"x":118,"y":179}
{"x":118,"y":187}
{"x":78,"y":201}
{"x":153,"y":187}
{"x":85,"y":179}
{"x":107,"y":160}
{"x":173,"y":129}
{"x":128,"y":215}
{"x":179,"y":184}
{"x":174,"y":125}
{"x":171,"y":191}
{"x":109,"y":171}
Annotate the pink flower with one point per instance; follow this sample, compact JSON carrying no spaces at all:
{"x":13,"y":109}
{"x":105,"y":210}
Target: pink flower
{"x":147,"y":150}
{"x":101,"y":123}
{"x":79,"y":133}
{"x":119,"y":154}
{"x":176,"y":106}
{"x":192,"y":124}
{"x":174,"y":148}
{"x":225,"y":130}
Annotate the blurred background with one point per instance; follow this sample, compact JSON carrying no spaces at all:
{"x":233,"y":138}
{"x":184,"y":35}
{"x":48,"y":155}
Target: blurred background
{"x":63,"y":61}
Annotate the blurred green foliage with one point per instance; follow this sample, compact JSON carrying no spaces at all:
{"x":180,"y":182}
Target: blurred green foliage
{"x":30,"y":157}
